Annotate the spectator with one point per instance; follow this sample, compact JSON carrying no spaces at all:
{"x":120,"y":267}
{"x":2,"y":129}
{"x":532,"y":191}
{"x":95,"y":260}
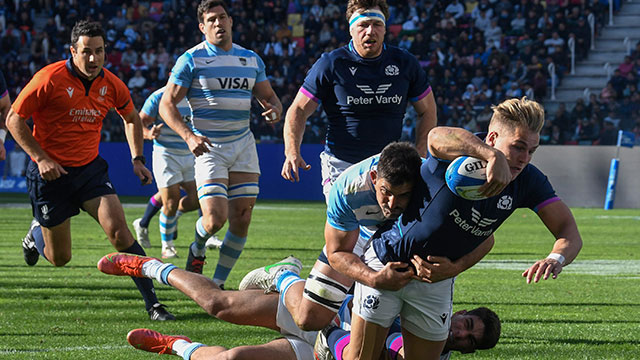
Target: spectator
{"x":137,"y":81}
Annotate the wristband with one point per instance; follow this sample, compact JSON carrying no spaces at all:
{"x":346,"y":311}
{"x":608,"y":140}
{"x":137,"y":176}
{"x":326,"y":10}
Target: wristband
{"x":557,"y":257}
{"x":3,"y":134}
{"x":140,"y":158}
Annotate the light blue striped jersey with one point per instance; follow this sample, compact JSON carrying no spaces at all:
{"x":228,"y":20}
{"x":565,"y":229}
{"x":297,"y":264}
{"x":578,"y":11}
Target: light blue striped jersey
{"x":168,"y":140}
{"x":352,"y":201}
{"x":220,"y":86}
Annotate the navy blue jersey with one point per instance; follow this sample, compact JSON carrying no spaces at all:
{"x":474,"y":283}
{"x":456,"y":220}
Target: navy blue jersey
{"x":3,"y":87}
{"x":364,"y":99}
{"x":438,"y":222}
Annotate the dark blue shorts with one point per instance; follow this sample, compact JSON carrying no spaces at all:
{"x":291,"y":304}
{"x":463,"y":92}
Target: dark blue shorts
{"x":53,"y":202}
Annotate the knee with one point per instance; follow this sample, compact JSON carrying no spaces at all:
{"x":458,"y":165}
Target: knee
{"x":170,"y":207}
{"x":308,"y":321}
{"x":241,"y":217}
{"x":213,"y":222}
{"x":60,"y":260}
{"x":214,"y":306}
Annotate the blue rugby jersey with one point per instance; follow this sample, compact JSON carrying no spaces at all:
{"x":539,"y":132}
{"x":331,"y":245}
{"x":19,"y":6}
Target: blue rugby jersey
{"x":168,"y":140}
{"x":437,"y":222}
{"x":352,"y":202}
{"x":220,"y":87}
{"x":365,"y":99}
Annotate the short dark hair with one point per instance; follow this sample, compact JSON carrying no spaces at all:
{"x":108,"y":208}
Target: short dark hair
{"x":87,"y":28}
{"x":354,"y":5}
{"x":399,"y":163}
{"x":206,"y":5}
{"x":491,"y":327}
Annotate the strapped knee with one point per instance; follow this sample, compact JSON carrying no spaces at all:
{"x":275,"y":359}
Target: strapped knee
{"x":212,"y":190}
{"x":244,"y":190}
{"x":324,"y":290}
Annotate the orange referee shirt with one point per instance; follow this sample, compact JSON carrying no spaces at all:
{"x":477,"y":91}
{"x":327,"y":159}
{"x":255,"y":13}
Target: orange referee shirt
{"x":68,"y":111}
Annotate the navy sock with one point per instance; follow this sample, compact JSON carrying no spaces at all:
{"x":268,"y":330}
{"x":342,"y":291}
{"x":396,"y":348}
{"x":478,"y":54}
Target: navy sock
{"x":152,"y":209}
{"x":145,"y":286}
{"x":39,"y":239}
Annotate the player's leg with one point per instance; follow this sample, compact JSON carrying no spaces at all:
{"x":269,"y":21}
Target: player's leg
{"x":215,"y":207}
{"x":315,"y":302}
{"x":243,"y":190}
{"x":189,"y":201}
{"x":419,"y":348}
{"x":141,"y":225}
{"x":53,"y":243}
{"x":108,"y":211}
{"x":367,"y":340}
{"x":168,"y":220}
{"x":153,"y":341}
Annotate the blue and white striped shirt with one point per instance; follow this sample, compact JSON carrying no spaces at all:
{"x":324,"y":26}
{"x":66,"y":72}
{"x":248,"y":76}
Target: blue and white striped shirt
{"x":220,"y":88}
{"x":168,"y":140}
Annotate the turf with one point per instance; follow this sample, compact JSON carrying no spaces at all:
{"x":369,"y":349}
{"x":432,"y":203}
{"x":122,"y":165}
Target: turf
{"x":75,"y":312}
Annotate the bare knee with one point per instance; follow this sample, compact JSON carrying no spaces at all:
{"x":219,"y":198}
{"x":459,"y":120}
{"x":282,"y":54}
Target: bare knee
{"x":60,"y":260}
{"x":241,"y":218}
{"x":217,"y":306}
{"x":311,"y":321}
{"x":213,"y":222}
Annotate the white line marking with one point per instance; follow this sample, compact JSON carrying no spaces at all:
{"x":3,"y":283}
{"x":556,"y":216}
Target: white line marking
{"x":64,"y":349}
{"x":590,"y":267}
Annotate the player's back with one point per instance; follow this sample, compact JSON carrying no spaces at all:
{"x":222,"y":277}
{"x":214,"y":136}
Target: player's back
{"x":168,"y":140}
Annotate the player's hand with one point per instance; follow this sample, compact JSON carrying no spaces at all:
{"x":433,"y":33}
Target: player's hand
{"x":291,"y":165}
{"x":389,"y":278}
{"x":543,"y":269}
{"x":142,"y":173}
{"x":498,"y":175}
{"x":270,"y":113}
{"x":154,"y":132}
{"x":198,"y":144}
{"x":50,"y":170}
{"x":3,"y":151}
{"x":434,"y":269}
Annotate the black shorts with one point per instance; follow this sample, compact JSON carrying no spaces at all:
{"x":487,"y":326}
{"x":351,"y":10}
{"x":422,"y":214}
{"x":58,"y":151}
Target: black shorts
{"x":53,"y":202}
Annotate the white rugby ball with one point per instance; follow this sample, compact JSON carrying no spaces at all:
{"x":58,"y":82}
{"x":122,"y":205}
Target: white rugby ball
{"x":465,"y":175}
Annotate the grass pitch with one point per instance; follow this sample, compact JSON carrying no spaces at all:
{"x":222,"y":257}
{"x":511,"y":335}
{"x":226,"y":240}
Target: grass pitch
{"x":590,"y":312}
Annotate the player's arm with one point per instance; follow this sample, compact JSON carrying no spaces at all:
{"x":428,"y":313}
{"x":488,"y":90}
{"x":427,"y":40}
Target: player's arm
{"x":558,"y":219}
{"x":48,"y":168}
{"x":169,"y":112}
{"x":269,"y":101}
{"x":133,"y":132}
{"x":147,"y":120}
{"x":427,"y":120}
{"x":340,"y":246}
{"x":438,"y":268}
{"x":294,"y":125}
{"x":450,"y":142}
{"x":5,"y":105}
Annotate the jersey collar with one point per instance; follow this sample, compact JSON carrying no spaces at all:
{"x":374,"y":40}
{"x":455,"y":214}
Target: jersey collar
{"x":73,"y":71}
{"x":355,"y":53}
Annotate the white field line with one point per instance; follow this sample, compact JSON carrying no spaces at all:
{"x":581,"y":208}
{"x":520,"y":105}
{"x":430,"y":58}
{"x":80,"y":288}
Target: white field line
{"x":590,"y":267}
{"x":64,"y":349}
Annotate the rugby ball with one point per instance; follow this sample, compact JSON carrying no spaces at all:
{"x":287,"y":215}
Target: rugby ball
{"x":465,"y":175}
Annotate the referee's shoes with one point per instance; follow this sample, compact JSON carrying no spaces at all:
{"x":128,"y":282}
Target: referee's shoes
{"x":29,"y":249}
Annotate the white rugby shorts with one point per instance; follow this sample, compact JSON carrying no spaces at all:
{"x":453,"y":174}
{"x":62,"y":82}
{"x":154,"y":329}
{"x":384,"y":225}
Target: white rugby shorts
{"x":331,"y":167}
{"x":425,"y":309}
{"x":301,"y":341}
{"x":236,"y":156}
{"x":170,"y":169}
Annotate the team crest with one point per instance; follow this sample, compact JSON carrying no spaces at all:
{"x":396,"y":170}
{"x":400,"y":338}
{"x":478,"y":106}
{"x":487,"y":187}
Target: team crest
{"x":391,"y":70}
{"x":505,"y":202}
{"x":243,"y":61}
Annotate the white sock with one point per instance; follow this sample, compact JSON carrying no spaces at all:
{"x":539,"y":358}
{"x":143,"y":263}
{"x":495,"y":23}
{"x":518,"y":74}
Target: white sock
{"x":198,"y":252}
{"x":179,"y":347}
{"x":151,"y":268}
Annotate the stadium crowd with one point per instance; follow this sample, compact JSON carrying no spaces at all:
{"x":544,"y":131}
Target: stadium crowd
{"x":475,"y":52}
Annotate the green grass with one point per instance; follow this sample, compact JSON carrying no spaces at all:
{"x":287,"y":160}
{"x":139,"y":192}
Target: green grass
{"x":591,"y":311}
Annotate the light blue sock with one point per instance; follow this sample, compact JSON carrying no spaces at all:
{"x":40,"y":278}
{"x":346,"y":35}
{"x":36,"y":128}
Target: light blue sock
{"x":230,"y":251}
{"x":168,"y":225}
{"x":285,"y":280}
{"x":188,"y":351}
{"x":198,"y":246}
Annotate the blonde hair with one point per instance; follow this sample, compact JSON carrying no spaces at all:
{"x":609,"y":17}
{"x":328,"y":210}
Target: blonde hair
{"x":518,"y":113}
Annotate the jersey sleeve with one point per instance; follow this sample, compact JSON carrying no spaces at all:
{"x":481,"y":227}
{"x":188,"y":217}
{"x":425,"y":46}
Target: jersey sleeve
{"x":122,"y":102}
{"x":317,"y":80}
{"x":339,"y":213}
{"x":419,"y":87}
{"x":539,"y":190}
{"x":34,"y":95}
{"x":262,"y":73}
{"x":182,"y":72}
{"x":152,"y":105}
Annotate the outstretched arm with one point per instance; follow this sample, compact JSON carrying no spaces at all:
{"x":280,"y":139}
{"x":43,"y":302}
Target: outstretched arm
{"x":559,"y":220}
{"x":294,"y":125}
